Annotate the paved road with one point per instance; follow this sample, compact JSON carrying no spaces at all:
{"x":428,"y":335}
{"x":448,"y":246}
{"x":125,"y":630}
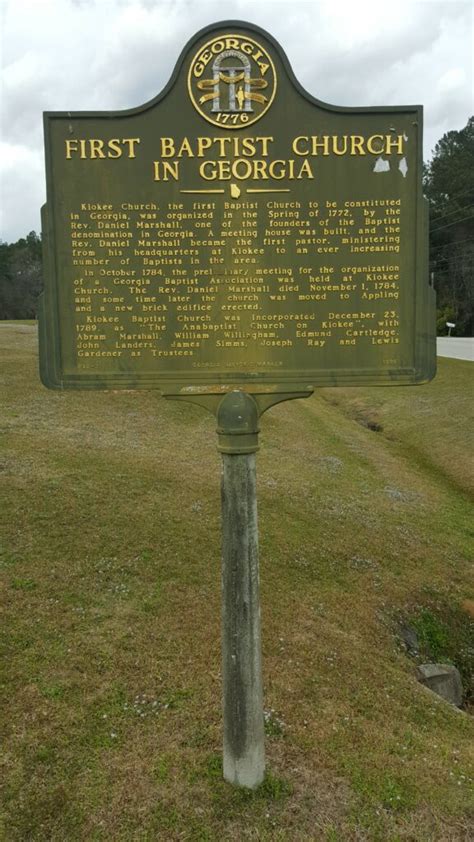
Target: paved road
{"x":458,"y":348}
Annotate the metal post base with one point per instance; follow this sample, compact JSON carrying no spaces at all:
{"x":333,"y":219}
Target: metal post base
{"x":244,"y":756}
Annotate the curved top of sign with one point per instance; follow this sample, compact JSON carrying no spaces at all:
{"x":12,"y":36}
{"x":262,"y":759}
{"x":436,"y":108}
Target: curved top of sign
{"x":247,"y":58}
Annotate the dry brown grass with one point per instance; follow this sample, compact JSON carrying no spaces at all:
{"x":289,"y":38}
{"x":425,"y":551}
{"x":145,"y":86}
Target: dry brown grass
{"x":111,"y":575}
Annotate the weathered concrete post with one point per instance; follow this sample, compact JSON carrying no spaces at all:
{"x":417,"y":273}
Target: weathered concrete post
{"x":244,"y":756}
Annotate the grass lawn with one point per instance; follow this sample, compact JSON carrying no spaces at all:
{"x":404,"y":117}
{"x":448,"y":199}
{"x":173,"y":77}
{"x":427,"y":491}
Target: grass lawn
{"x":110,"y":632}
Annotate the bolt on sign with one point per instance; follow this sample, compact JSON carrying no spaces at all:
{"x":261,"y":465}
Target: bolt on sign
{"x":235,"y":231}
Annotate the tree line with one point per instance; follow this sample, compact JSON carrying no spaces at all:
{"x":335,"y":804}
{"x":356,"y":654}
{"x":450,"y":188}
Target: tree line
{"x":448,"y":182}
{"x":21,"y":277}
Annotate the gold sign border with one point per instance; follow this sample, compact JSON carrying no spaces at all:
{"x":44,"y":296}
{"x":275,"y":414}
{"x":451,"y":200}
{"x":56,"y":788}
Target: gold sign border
{"x":191,"y":95}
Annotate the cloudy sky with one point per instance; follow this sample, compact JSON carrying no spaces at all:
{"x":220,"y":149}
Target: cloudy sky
{"x":111,"y":54}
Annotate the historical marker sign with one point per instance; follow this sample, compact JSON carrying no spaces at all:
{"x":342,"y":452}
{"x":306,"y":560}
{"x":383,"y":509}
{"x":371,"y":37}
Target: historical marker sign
{"x":235,"y":231}
{"x":236,"y":235}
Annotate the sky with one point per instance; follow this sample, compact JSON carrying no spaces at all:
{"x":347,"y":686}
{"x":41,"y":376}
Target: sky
{"x":86,"y":55}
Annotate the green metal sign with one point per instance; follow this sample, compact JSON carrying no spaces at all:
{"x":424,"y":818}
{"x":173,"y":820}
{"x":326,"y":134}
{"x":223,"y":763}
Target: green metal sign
{"x":235,"y":232}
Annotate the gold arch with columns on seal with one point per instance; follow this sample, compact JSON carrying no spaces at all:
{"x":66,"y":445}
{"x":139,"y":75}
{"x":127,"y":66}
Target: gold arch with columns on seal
{"x":232,"y":81}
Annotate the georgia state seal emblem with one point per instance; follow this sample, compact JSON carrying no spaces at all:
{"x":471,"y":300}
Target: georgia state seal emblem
{"x":232,"y":81}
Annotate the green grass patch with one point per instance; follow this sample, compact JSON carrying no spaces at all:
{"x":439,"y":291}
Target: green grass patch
{"x":444,"y":633}
{"x":23,"y":584}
